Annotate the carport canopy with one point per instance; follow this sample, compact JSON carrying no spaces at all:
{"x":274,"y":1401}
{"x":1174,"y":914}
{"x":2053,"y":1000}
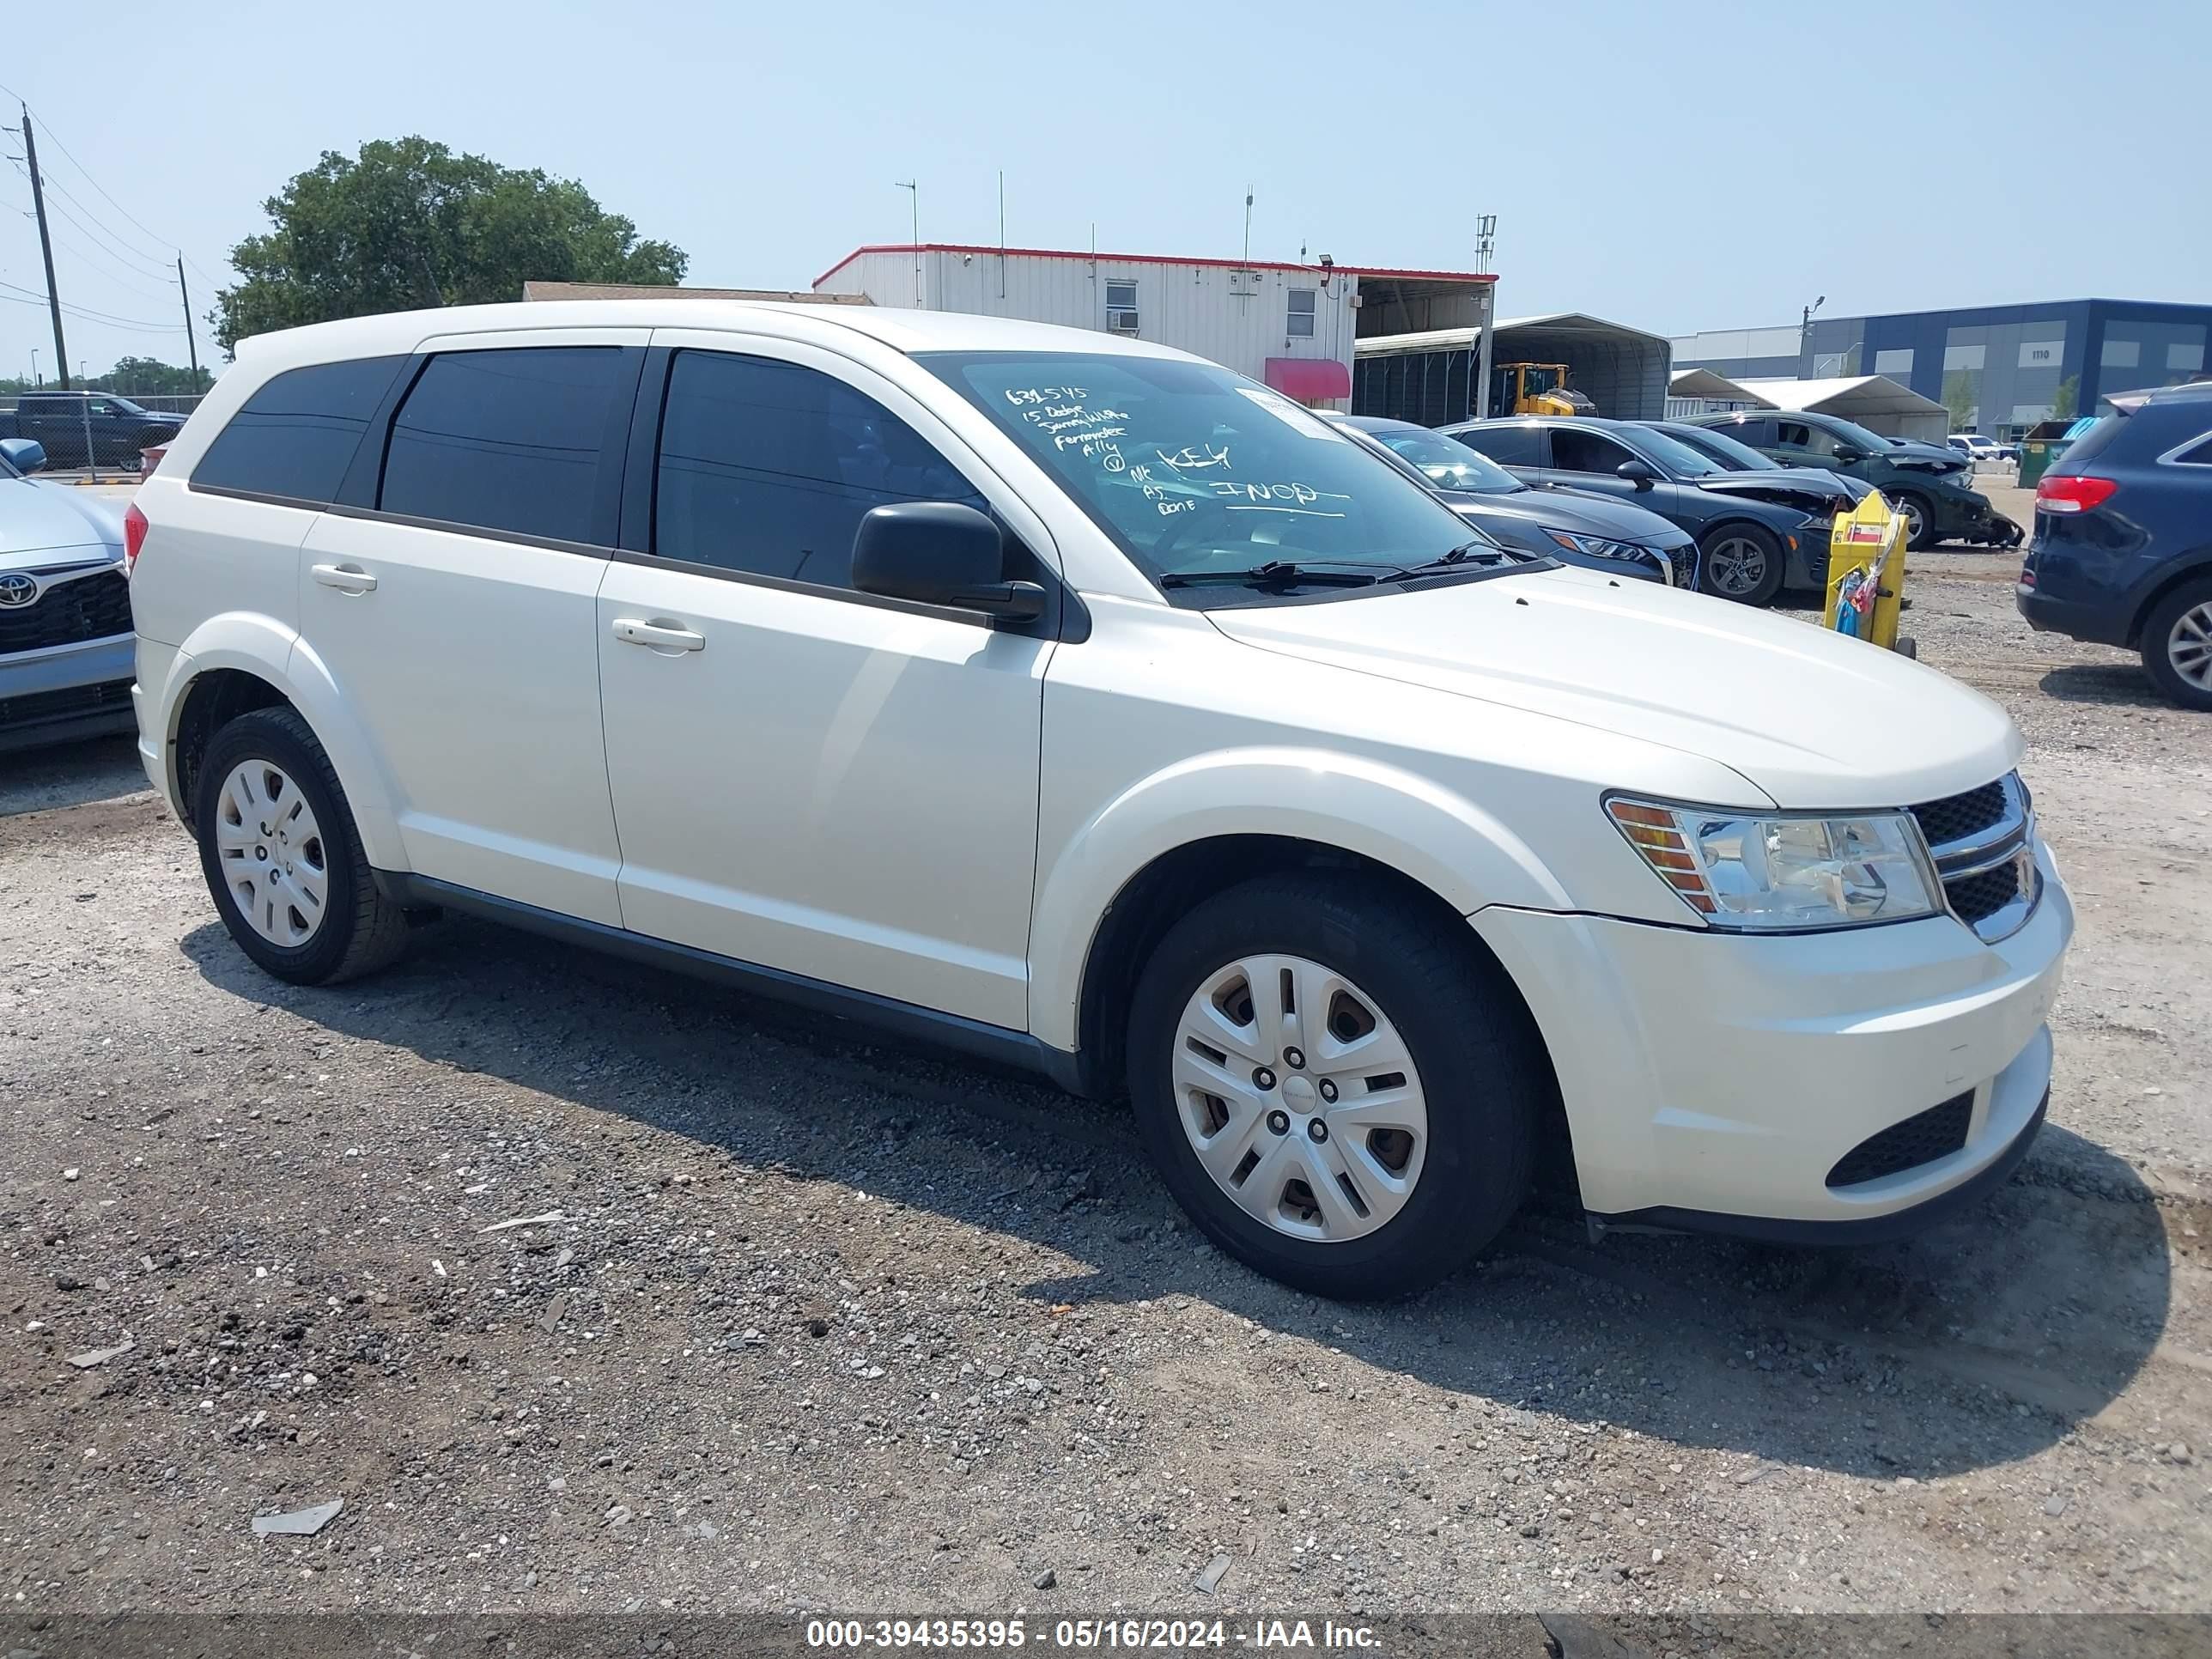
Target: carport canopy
{"x":1875,"y":401}
{"x":1622,"y":370}
{"x":1707,"y":387}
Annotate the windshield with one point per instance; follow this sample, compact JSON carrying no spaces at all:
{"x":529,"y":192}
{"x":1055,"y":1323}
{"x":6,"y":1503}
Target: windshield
{"x":1193,"y":469}
{"x":1678,"y":457}
{"x":1448,"y":463}
{"x":1732,"y":453}
{"x":1851,"y":432}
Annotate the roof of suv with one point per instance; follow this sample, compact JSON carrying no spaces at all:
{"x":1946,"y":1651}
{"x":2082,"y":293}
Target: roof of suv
{"x":903,"y":331}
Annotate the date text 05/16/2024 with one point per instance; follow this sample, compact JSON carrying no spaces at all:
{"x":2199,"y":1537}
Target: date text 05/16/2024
{"x":1165,"y":1635}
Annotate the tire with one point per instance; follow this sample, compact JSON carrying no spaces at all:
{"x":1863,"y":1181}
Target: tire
{"x":2176,"y":645}
{"x":352,"y":929}
{"x":1919,"y":519}
{"x":1741,"y":562}
{"x":1464,"y":1049}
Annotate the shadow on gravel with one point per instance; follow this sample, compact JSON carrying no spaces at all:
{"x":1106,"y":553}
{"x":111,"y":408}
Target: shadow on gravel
{"x":1981,"y":1342}
{"x":2103,"y":681}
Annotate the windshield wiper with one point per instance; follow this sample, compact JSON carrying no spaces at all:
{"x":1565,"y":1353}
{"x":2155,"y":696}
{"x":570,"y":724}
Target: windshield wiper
{"x":1335,"y":573}
{"x":1474,"y":552}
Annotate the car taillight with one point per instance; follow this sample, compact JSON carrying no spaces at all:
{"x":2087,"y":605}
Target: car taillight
{"x":149,"y":458}
{"x":134,"y":537}
{"x":2072,"y":495}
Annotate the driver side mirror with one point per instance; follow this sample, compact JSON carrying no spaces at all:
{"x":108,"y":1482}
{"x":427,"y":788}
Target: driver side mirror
{"x":1847,"y":453}
{"x":940,"y":553}
{"x":1640,"y":473}
{"x":26,"y":455}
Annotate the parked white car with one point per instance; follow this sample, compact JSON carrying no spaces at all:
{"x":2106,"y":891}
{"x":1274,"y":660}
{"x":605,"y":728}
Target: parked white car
{"x":1077,"y":703}
{"x":65,"y":644}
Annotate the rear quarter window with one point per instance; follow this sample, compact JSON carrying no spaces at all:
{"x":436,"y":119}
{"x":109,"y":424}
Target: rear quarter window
{"x":295,"y":436}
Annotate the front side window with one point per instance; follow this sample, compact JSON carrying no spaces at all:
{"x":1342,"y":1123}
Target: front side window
{"x":1797,"y":434}
{"x":296,"y":434}
{"x":1678,"y":459}
{"x":768,"y":467}
{"x":1122,"y":308}
{"x":1574,"y":450}
{"x":504,"y":439}
{"x":1301,"y":318}
{"x":1193,"y":469}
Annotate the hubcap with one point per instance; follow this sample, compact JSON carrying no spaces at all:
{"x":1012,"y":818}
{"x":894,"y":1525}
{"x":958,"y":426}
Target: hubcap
{"x":2189,"y":648}
{"x":1914,"y":522}
{"x":271,"y":850}
{"x":1737,"y":565}
{"x":1300,"y":1098}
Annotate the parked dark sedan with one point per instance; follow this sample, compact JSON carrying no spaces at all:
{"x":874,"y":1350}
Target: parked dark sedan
{"x":2122,"y":547}
{"x":1717,"y":445}
{"x":1754,"y":538}
{"x":1931,"y":484}
{"x":1590,"y":531}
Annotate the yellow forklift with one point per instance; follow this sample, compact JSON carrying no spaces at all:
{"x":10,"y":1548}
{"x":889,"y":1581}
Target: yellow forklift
{"x":1535,"y":389}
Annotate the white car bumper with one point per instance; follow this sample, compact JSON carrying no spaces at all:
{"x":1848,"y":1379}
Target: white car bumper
{"x":1717,"y":1081}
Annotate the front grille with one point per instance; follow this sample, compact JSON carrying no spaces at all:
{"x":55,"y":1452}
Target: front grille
{"x":69,"y":612}
{"x":44,"y":708}
{"x":1975,"y":898}
{"x":1921,"y":1138}
{"x":1957,"y":817}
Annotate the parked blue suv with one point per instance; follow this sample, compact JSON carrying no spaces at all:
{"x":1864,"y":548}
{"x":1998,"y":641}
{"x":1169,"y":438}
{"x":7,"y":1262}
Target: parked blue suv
{"x":2123,"y":547}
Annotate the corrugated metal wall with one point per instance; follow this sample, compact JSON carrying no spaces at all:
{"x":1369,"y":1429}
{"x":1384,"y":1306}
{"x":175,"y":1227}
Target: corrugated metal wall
{"x":1237,"y":318}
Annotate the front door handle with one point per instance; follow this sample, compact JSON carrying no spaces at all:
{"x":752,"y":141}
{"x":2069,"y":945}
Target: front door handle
{"x":661,"y":637}
{"x":346,"y":578}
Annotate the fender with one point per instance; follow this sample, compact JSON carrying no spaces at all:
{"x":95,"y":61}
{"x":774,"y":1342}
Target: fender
{"x":1447,"y":843}
{"x":266,"y":649}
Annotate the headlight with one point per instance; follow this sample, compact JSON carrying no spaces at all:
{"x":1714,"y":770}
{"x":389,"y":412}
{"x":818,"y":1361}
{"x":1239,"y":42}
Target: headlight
{"x":1599,"y":548}
{"x":1778,"y":872}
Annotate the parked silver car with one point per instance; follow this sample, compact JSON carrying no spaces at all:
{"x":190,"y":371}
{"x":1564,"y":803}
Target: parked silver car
{"x":66,"y":649}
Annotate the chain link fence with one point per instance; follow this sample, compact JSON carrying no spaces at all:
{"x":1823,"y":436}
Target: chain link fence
{"x":94,"y":430}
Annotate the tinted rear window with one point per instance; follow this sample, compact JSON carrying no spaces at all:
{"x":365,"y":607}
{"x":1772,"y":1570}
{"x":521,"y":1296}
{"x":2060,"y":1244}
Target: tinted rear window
{"x":2091,"y":444}
{"x":506,"y":440}
{"x":295,"y":435}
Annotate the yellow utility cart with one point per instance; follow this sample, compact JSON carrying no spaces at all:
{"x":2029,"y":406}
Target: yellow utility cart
{"x":1866,"y":574}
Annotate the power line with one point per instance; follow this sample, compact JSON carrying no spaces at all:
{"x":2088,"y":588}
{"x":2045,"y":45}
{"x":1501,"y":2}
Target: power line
{"x":86,"y":174}
{"x":90,"y":314}
{"x":122,"y":249}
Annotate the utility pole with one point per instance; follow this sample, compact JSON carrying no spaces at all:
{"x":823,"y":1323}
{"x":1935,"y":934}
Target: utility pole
{"x":192,"y":344}
{"x":1486,"y":244}
{"x":913,"y":187}
{"x":1804,"y":330}
{"x":46,"y":248}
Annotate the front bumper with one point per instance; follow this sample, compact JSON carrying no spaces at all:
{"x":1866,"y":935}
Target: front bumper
{"x":66,"y":692}
{"x":1721,"y":1076}
{"x":1968,"y":516}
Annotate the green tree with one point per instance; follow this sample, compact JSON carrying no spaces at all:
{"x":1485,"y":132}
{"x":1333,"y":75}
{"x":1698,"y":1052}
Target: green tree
{"x":150,"y":377}
{"x":2066,"y":401}
{"x":408,"y":223}
{"x":1961,"y":397}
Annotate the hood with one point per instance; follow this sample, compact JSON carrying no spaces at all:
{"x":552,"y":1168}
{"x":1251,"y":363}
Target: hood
{"x":1812,"y":718}
{"x":38,"y":521}
{"x":1809,"y":489}
{"x":1928,"y":458}
{"x":1570,"y":510}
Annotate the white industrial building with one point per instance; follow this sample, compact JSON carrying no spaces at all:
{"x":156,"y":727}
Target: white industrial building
{"x":1290,"y":326}
{"x":1440,"y":373}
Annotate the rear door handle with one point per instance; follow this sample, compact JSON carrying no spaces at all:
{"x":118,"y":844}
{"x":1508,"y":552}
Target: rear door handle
{"x":346,"y":578}
{"x":660,"y":636}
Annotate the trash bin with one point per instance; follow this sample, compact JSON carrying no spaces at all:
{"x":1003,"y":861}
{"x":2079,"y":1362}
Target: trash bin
{"x":2046,"y":440}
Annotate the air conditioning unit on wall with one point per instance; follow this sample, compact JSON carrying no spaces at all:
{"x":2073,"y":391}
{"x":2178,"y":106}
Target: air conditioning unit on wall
{"x":1121,"y":322}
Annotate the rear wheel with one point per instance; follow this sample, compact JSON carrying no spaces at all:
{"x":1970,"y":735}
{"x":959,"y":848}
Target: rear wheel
{"x":282,"y":862}
{"x":1741,"y":562}
{"x":2176,"y":645}
{"x":1342,"y":1096}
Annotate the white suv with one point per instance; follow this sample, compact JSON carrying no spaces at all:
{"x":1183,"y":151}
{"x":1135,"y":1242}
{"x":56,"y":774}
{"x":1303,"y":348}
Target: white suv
{"x":1079,"y":703}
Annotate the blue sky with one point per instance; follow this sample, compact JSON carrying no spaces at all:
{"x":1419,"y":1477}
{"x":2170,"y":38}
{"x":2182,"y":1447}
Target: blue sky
{"x":1676,"y":166}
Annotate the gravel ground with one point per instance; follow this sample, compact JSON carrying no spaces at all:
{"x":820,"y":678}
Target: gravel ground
{"x":587,"y":1288}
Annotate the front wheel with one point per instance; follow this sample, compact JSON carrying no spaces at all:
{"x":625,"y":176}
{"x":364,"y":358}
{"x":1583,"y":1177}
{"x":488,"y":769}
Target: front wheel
{"x":281,"y":859}
{"x":1741,"y":562}
{"x":2176,"y":645}
{"x":1341,"y":1093}
{"x":1919,"y":522}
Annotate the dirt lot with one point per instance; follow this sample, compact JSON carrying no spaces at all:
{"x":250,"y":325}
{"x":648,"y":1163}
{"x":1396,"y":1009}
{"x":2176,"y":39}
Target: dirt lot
{"x":824,"y":1323}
